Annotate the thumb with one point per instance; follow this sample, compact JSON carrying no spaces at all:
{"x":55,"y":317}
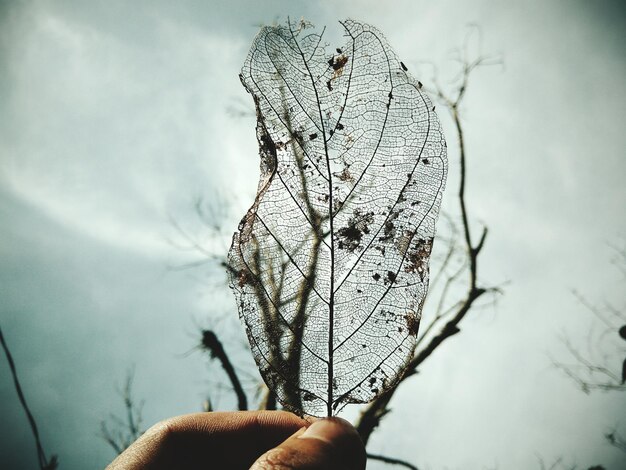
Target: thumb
{"x":327,"y":444}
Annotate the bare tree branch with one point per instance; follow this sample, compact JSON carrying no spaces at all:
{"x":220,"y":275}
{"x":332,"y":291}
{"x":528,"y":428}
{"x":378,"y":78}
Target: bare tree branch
{"x":375,"y":411}
{"x":121,"y":433}
{"x":212,"y":344}
{"x":584,"y":366}
{"x":590,"y":372}
{"x":44,"y":463}
{"x":603,"y":367}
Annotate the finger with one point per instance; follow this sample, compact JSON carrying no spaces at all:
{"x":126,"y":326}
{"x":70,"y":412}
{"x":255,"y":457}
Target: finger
{"x":209,"y":440}
{"x":327,"y":444}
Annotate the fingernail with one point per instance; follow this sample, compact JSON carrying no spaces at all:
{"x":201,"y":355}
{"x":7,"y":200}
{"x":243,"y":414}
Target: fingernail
{"x":328,"y":430}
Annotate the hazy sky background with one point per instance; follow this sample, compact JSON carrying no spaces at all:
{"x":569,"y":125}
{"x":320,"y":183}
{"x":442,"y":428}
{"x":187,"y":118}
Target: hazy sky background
{"x":113,"y":119}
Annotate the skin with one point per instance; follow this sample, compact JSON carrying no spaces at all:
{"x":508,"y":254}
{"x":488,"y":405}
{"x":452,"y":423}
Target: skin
{"x":256,"y":440}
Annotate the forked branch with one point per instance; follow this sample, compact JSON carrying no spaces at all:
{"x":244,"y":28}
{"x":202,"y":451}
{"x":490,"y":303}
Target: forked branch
{"x":120,"y":433}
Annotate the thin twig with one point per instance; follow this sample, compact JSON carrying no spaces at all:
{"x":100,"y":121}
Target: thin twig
{"x":452,"y":248}
{"x":439,"y":312}
{"x":120,"y":433}
{"x":44,"y":463}
{"x":592,"y":370}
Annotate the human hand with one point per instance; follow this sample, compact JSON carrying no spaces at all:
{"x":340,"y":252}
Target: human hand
{"x":259,"y":440}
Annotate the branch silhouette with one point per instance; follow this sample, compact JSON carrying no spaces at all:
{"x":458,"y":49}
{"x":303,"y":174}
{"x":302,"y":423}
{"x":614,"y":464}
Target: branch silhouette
{"x":120,"y":433}
{"x":212,"y":344}
{"x":373,"y":414}
{"x":44,"y":463}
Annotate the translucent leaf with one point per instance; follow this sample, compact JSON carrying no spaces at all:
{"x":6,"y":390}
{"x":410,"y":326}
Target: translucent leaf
{"x":330,"y":264}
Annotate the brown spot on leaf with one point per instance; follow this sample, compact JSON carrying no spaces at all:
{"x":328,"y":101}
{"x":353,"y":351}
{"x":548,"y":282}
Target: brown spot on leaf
{"x":350,"y":236}
{"x":417,"y":257}
{"x":389,"y":231}
{"x":242,"y":278}
{"x":339,"y":62}
{"x":267,"y":144}
{"x":412,"y":322}
{"x":345,"y":175}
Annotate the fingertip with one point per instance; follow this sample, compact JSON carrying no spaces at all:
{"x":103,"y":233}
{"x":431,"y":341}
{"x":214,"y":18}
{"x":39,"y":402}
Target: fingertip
{"x":329,"y":443}
{"x":330,"y":430}
{"x":340,"y":434}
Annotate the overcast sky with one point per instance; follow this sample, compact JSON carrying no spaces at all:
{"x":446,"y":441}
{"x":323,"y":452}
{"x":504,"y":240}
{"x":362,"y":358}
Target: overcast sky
{"x":114,"y":119}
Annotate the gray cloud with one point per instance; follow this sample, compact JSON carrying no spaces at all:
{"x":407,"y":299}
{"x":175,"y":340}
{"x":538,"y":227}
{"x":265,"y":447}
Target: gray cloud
{"x":113,"y":118}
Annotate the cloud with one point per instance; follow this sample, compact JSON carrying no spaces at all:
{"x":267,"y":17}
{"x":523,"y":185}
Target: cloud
{"x":104,"y":132}
{"x":113,"y":118}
